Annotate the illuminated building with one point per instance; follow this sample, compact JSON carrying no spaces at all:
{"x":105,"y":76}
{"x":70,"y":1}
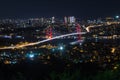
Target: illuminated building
{"x":65,"y":20}
{"x":71,"y":19}
{"x":53,"y":19}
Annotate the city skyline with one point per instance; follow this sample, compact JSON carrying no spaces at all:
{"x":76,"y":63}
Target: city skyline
{"x":44,"y":8}
{"x":59,"y":40}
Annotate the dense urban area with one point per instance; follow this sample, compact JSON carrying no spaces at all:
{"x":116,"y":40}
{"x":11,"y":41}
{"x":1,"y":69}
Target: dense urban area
{"x":60,"y":49}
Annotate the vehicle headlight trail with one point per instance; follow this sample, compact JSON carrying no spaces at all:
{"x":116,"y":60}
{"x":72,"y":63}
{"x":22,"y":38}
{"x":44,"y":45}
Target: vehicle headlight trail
{"x":39,"y":42}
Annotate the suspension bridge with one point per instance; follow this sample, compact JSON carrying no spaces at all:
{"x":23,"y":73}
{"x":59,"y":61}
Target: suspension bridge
{"x":50,"y":37}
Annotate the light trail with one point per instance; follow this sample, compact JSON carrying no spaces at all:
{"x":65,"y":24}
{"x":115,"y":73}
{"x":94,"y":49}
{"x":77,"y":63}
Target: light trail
{"x":39,"y":42}
{"x":76,"y":42}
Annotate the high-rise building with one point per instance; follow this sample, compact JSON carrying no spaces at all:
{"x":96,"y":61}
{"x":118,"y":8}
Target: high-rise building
{"x":53,"y":19}
{"x":65,"y":20}
{"x":72,"y":19}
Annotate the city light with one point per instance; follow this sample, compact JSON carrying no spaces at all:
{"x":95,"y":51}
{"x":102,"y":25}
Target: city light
{"x":117,"y":17}
{"x":61,"y":48}
{"x":31,"y":55}
{"x":53,"y":49}
{"x":69,"y":43}
{"x":39,"y":42}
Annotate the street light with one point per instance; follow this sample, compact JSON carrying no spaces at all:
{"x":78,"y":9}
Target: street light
{"x":61,"y":47}
{"x":31,"y":55}
{"x":117,"y":17}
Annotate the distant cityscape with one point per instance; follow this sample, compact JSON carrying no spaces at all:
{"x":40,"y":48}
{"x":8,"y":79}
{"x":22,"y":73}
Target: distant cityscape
{"x":48,"y":47}
{"x":59,"y":40}
{"x":43,"y":37}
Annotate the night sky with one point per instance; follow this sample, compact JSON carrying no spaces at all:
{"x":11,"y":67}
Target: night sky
{"x":58,"y":8}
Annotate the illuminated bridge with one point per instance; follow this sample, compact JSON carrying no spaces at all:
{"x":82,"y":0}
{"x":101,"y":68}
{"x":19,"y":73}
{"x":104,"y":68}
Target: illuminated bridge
{"x":43,"y":41}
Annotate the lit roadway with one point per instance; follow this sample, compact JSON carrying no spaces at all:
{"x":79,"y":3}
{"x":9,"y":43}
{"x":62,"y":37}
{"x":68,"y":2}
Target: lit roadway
{"x":39,"y":42}
{"x":106,"y":24}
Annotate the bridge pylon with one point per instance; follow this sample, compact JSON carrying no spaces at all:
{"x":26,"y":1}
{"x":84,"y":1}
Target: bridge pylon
{"x":49,"y":32}
{"x":78,"y":29}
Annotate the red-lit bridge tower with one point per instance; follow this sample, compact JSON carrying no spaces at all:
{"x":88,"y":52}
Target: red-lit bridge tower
{"x":78,"y":29}
{"x":49,"y":32}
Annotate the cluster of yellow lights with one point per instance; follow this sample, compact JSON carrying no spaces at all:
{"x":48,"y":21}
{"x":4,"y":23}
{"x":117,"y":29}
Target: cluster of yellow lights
{"x":113,"y":50}
{"x":6,"y":62}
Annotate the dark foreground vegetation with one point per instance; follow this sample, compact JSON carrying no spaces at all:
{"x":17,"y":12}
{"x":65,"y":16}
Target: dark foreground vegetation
{"x":58,"y":70}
